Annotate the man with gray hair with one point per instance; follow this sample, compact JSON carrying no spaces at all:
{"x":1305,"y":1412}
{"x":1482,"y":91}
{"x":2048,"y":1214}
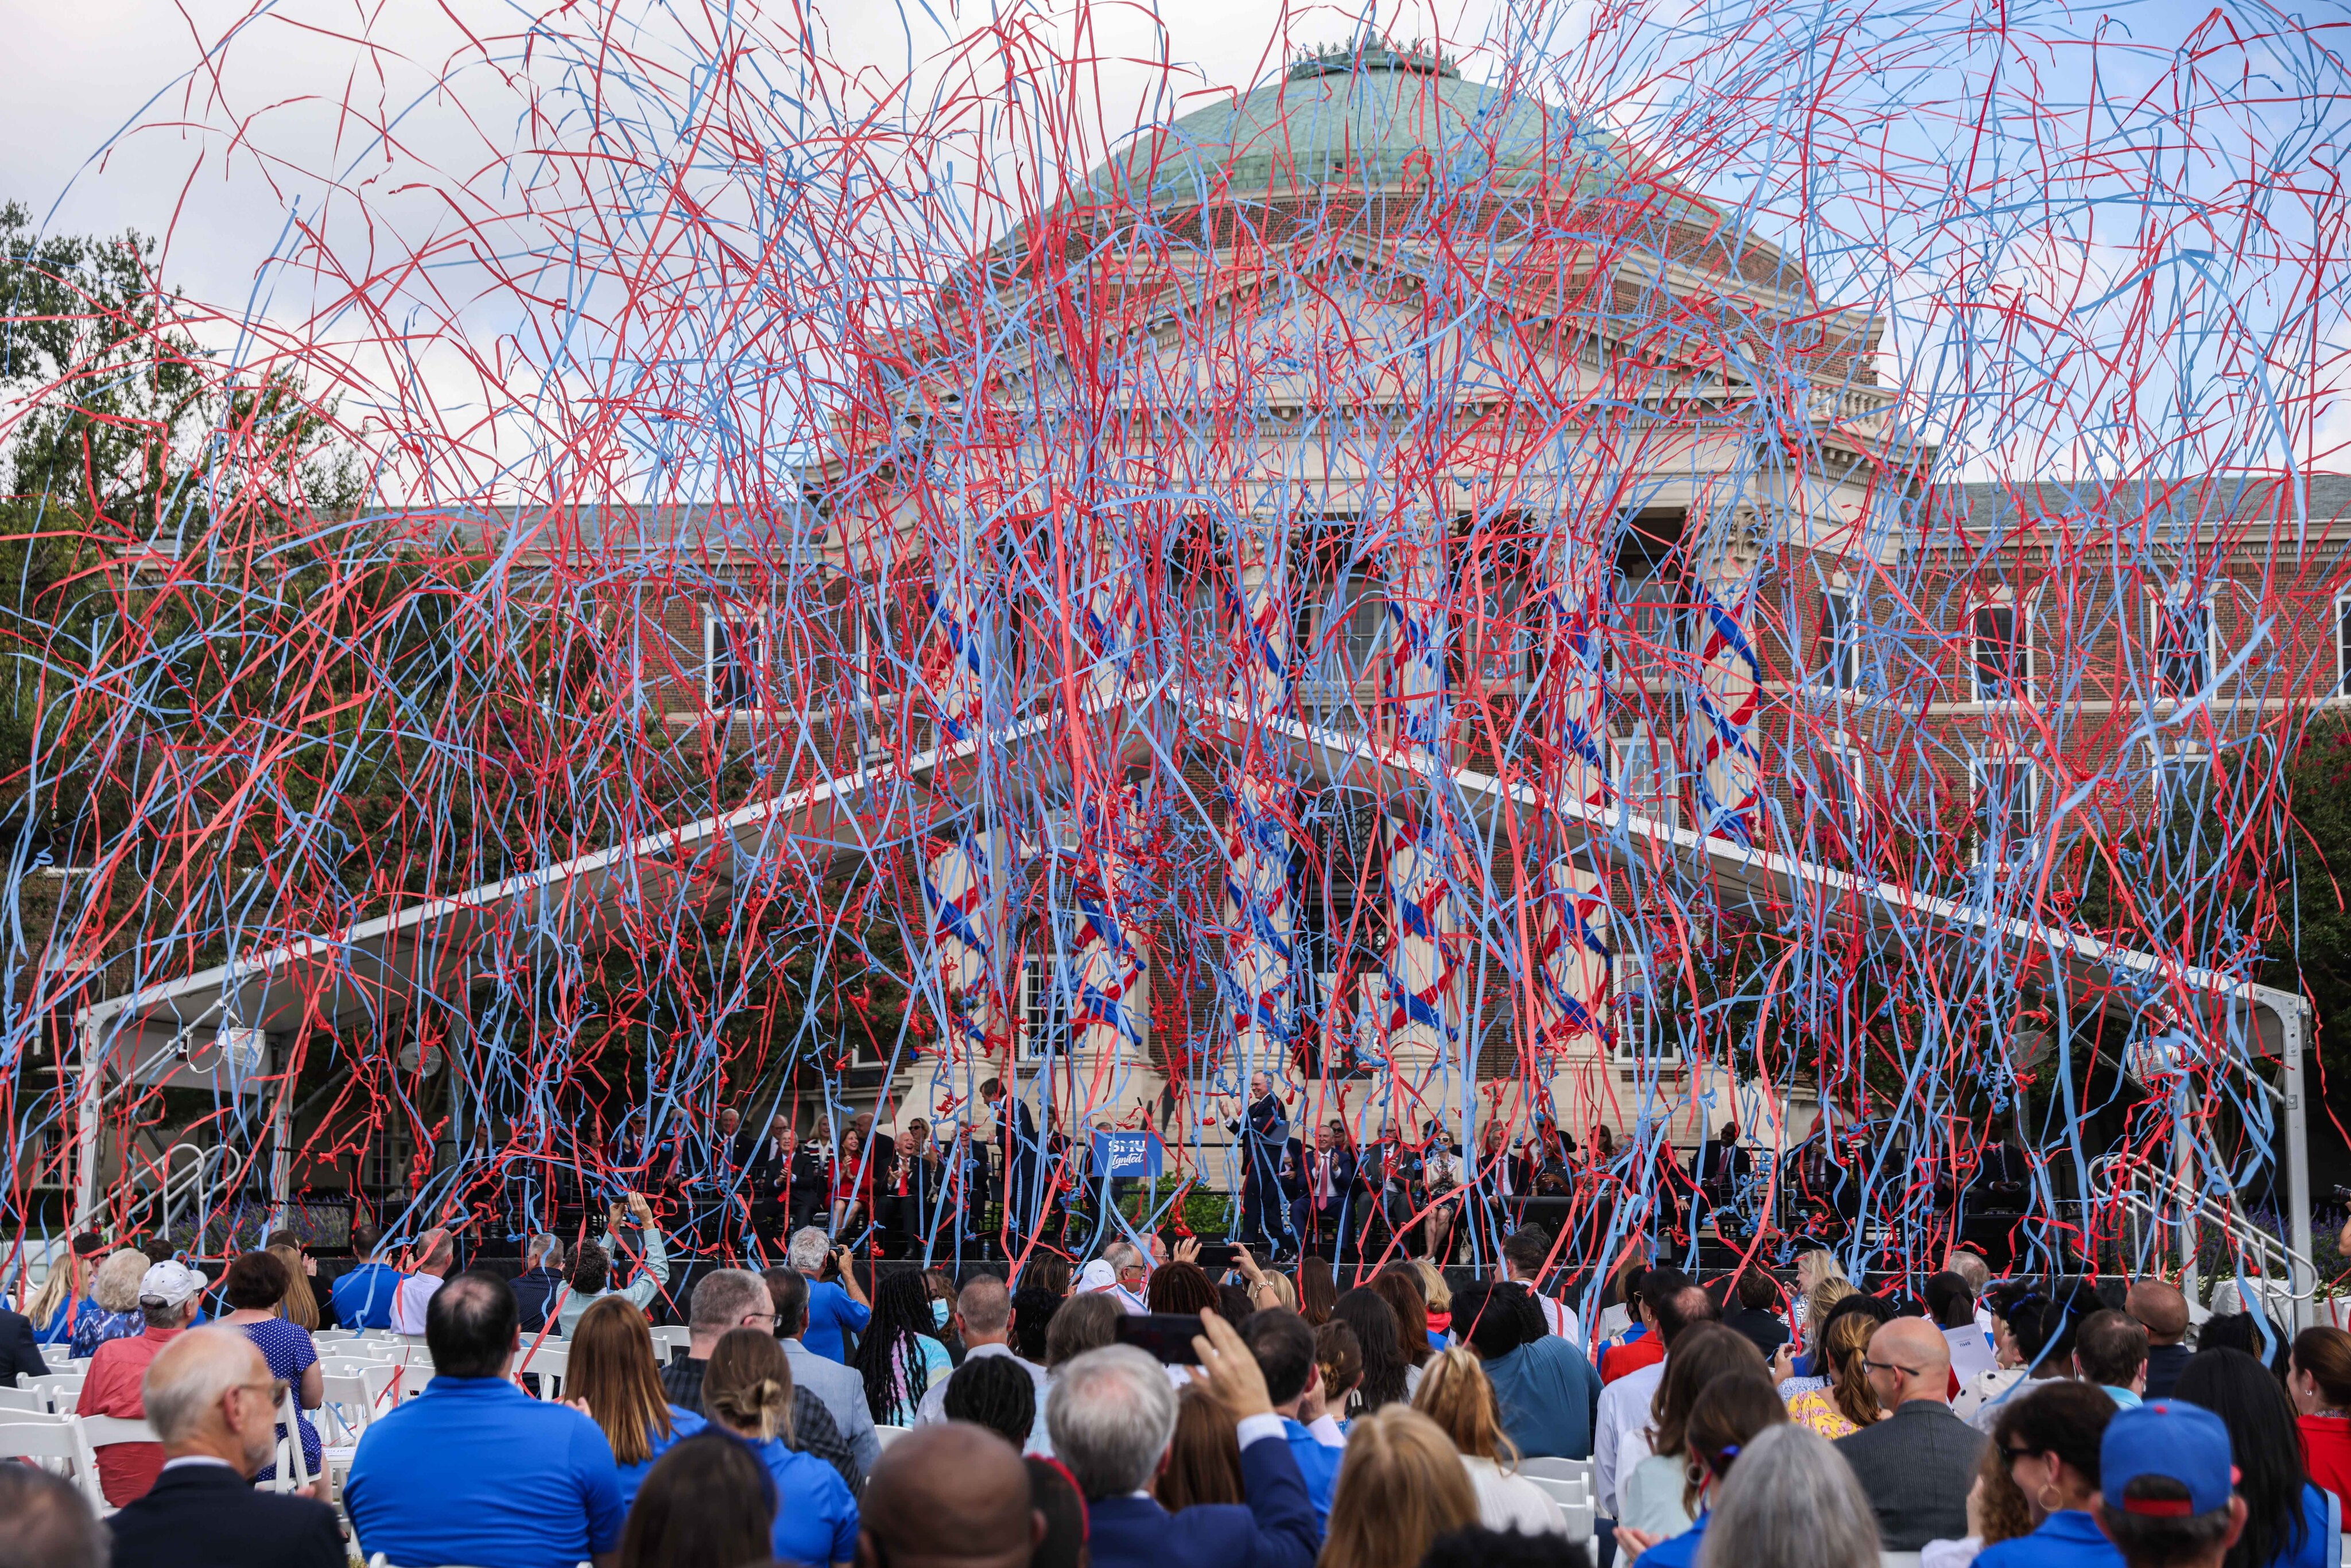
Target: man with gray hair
{"x":540,"y":1282}
{"x":211,"y":1399}
{"x":729,"y":1299}
{"x":1113,"y":1415}
{"x":983,"y":1317}
{"x":834,"y":1311}
{"x":49,"y":1521}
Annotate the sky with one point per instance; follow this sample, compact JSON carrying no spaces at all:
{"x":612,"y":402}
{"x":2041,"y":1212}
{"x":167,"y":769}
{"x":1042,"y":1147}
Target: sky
{"x":90,"y":68}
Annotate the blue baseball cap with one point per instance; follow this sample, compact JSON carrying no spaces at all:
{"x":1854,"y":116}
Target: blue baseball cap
{"x":2174,"y":1440}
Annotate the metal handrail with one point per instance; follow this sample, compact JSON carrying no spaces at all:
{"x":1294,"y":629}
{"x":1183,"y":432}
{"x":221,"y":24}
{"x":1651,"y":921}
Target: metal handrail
{"x":2176,"y":1194}
{"x":193,"y":1180}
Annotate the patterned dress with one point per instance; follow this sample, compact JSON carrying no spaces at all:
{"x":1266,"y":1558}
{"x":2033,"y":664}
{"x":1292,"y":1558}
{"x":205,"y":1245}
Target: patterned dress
{"x":288,"y":1349}
{"x":1816,"y":1409}
{"x":93,"y":1326}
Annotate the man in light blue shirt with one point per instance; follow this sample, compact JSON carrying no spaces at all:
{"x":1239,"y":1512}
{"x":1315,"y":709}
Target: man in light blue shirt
{"x":834,"y":1313}
{"x":1283,"y":1347}
{"x":842,"y":1389}
{"x":474,"y":1471}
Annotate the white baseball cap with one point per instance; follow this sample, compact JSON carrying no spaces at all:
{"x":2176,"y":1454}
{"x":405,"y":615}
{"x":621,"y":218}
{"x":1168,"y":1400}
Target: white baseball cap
{"x":169,"y":1283}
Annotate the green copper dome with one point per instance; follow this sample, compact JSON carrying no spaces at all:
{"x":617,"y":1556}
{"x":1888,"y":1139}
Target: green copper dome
{"x":1367,"y":116}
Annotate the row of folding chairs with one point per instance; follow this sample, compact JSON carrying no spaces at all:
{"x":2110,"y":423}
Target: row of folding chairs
{"x":1567,"y":1482}
{"x":68,"y":1444}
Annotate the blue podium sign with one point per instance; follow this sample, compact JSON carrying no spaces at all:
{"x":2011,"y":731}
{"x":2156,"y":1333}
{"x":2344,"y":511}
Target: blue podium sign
{"x":1128,"y":1155}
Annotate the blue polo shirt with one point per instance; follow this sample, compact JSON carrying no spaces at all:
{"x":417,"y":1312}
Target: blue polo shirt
{"x":816,"y":1519}
{"x":364,"y":1297}
{"x":830,"y":1311}
{"x":1318,"y":1461}
{"x":2066,"y":1539}
{"x":1676,"y":1550}
{"x":474,"y":1471}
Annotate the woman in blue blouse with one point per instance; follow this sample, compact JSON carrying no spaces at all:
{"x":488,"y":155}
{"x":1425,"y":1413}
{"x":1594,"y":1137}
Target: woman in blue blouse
{"x":2050,"y":1439}
{"x":613,"y":1378}
{"x":748,"y":1391}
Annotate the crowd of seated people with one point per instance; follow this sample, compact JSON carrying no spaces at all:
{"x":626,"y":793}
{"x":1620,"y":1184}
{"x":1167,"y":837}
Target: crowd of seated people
{"x":1743,"y":1420}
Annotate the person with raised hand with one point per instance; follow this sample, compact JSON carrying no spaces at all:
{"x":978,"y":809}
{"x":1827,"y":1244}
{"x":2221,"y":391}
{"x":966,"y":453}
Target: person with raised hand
{"x":1112,"y":1415}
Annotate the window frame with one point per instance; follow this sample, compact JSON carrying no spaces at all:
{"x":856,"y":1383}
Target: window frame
{"x":2163,"y":605}
{"x":1839,"y":654}
{"x":1665,"y":805}
{"x":2020,"y":639}
{"x":1979,"y":795}
{"x":2342,"y":691}
{"x":762,"y":693}
{"x":1026,"y":1050}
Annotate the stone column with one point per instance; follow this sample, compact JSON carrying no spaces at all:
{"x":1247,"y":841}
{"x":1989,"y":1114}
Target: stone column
{"x":1723,"y":697}
{"x":1422,"y":1009}
{"x":1259,"y":918}
{"x":1575,"y":960}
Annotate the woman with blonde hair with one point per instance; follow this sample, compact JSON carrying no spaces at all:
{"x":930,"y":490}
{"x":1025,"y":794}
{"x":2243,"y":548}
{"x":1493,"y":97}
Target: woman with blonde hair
{"x":613,"y":1379}
{"x":114,"y":1289}
{"x":747,"y":1390}
{"x":1844,"y":1402}
{"x":1457,"y":1395}
{"x":1401,"y":1486}
{"x":1437,"y":1295}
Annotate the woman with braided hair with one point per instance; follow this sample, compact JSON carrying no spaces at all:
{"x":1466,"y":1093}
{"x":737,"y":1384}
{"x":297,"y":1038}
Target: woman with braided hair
{"x":748,"y":1391}
{"x":897,"y":1355}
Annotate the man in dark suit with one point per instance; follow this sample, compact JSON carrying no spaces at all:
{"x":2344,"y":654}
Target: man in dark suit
{"x":18,"y":1353}
{"x":1918,"y":1464}
{"x":208,"y":1398}
{"x":1326,"y":1179}
{"x":1389,"y":1171}
{"x":1017,"y":1157}
{"x":1264,"y":1135}
{"x":1112,"y":1416}
{"x":539,"y":1287}
{"x":972,"y":1184}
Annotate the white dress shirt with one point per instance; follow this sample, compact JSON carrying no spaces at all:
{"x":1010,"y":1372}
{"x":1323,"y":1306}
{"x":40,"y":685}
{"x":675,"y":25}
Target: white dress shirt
{"x":1621,"y":1431}
{"x":409,"y":1299}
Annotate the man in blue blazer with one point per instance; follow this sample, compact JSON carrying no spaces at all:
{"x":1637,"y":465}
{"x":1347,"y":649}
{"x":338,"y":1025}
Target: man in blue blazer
{"x":1112,"y":1416}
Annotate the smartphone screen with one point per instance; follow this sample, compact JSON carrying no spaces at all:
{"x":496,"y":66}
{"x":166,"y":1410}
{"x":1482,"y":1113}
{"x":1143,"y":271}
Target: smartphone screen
{"x":1166,"y":1335}
{"x":1216,"y":1257}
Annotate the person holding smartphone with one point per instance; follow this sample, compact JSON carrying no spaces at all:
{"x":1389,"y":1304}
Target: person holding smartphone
{"x":835,"y":1311}
{"x":641,"y":1263}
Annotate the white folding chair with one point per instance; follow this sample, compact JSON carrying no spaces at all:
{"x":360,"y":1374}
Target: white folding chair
{"x":549,"y":1363}
{"x":102,"y":1432}
{"x":31,"y":1401}
{"x":293,"y":1466}
{"x":61,"y":1389}
{"x":53,"y":1439}
{"x":357,"y":1397}
{"x":886,"y":1436}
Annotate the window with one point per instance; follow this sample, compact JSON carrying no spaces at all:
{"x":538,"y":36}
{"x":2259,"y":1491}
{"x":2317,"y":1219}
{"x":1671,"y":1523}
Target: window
{"x":2343,"y":646}
{"x":2002,"y":667}
{"x":2007,"y":809}
{"x":1636,"y":1035}
{"x":1044,"y":1008}
{"x":1645,"y":781}
{"x":2183,"y":646}
{"x":734,"y":657}
{"x":2182,"y":780}
{"x":1837,"y":664}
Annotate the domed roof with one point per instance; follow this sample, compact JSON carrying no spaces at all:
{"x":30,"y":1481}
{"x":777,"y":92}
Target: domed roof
{"x":1370,"y":115}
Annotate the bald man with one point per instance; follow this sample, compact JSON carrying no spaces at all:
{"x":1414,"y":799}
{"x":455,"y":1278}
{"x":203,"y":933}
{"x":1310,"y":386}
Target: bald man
{"x":2162,"y":1311}
{"x":1916,"y":1464}
{"x":209,"y":1396}
{"x":949,"y":1496}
